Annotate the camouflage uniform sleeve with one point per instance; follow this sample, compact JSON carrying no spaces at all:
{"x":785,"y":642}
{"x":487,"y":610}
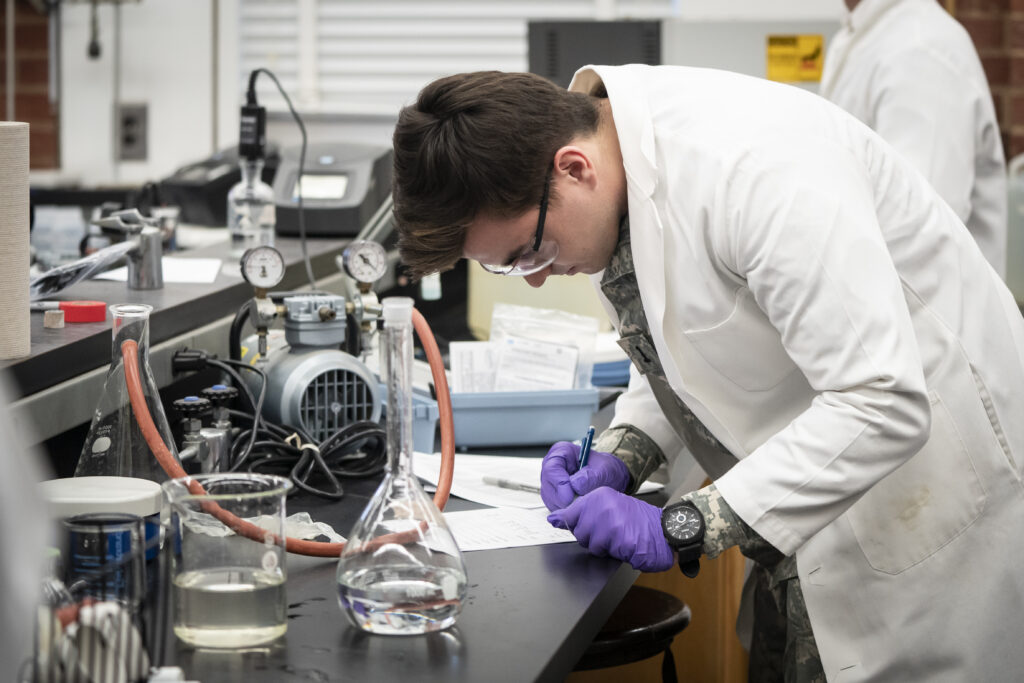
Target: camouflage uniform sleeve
{"x":638,"y":451}
{"x":723,"y":529}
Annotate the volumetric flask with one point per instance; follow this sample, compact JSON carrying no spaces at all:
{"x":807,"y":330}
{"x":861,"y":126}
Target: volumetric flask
{"x":229,"y":573}
{"x":401,"y":572}
{"x":115,"y":445}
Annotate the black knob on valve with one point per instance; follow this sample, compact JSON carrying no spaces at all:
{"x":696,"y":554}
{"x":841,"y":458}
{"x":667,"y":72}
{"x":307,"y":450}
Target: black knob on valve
{"x":220,"y":395}
{"x":191,"y":406}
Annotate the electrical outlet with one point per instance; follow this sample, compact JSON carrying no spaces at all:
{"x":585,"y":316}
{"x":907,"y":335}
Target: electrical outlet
{"x":132,"y":129}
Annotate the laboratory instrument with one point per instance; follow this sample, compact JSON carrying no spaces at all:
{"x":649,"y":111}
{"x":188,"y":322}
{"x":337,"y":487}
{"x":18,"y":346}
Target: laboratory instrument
{"x":228,"y":591}
{"x":201,"y":187}
{"x":342,"y":186}
{"x":365,"y":261}
{"x":310,"y":382}
{"x":143,"y":252}
{"x":168,"y":462}
{"x":263,"y":267}
{"x":401,"y":571}
{"x":205,"y":449}
{"x":115,"y":445}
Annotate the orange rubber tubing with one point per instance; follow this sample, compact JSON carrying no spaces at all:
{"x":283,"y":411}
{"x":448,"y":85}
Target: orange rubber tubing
{"x":130,"y":353}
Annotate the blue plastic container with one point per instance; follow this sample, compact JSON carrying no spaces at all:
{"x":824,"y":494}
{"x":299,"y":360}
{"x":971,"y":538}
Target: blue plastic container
{"x":507,"y":418}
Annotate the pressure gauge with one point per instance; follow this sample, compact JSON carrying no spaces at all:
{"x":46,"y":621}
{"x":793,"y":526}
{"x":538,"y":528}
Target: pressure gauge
{"x":263,"y":267}
{"x":364,"y":261}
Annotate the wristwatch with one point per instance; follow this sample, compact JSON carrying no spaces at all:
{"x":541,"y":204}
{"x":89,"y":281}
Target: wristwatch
{"x":684,"y":530}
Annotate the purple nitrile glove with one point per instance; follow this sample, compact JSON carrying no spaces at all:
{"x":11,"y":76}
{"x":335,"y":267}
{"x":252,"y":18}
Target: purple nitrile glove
{"x":608,"y":522}
{"x":560,"y":482}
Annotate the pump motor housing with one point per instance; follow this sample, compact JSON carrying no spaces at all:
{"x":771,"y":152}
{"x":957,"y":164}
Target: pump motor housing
{"x":319,"y":390}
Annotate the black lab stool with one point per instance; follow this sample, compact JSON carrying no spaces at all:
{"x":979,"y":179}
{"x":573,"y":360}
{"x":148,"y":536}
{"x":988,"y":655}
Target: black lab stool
{"x":644,"y":624}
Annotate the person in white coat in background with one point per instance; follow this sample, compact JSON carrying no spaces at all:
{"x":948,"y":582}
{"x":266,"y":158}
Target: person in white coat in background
{"x":910,"y":71}
{"x":25,"y":531}
{"x":804,"y":314}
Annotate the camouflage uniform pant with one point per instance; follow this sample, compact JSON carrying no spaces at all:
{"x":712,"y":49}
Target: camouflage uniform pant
{"x":783,"y":648}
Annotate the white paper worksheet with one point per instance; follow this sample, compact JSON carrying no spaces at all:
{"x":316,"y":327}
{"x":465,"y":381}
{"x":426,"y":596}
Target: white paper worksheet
{"x":531,"y":365}
{"x":492,"y":528}
{"x":470,"y":470}
{"x":468,"y":483}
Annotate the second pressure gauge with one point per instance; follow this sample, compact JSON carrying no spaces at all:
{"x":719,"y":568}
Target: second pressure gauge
{"x":263,"y":267}
{"x":364,"y":261}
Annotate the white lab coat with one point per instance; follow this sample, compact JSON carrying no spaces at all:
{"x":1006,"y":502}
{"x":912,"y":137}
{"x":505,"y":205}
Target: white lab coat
{"x":819,"y":308}
{"x":908,"y":70}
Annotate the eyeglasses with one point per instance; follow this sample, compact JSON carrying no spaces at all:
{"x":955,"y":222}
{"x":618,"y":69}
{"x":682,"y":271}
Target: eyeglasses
{"x":540,"y":254}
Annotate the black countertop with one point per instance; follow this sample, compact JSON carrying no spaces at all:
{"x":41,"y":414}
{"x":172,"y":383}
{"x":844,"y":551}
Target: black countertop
{"x":61,"y":354}
{"x":529,"y":615}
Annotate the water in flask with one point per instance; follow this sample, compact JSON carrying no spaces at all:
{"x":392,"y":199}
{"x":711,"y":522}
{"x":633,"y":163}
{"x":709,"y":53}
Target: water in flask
{"x":401,"y":572}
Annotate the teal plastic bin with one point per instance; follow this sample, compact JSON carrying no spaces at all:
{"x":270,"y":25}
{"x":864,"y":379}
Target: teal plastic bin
{"x":508,"y":418}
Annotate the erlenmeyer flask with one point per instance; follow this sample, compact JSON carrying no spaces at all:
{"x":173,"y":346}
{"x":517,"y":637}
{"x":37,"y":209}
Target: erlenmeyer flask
{"x":401,"y":572}
{"x":115,"y":445}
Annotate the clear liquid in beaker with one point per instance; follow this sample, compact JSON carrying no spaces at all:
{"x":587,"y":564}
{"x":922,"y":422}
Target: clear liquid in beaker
{"x":224,"y":608}
{"x":402,"y":600}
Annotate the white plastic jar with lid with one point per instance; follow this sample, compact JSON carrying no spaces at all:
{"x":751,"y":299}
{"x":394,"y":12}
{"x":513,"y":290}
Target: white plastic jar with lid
{"x":74,"y":496}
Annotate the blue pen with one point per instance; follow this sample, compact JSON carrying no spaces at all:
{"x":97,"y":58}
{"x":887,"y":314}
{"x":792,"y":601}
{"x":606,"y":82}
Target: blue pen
{"x":585,"y":447}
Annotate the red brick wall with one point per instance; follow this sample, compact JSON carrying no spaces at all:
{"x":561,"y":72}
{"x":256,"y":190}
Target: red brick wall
{"x":997,"y":28}
{"x":31,"y":82}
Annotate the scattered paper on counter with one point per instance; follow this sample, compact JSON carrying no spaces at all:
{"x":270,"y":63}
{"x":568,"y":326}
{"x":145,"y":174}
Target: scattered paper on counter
{"x":179,"y":270}
{"x":470,"y":469}
{"x":492,"y":528}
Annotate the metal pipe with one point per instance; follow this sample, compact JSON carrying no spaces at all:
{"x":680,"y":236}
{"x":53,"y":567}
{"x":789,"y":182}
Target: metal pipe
{"x":214,"y":74}
{"x":117,"y":90}
{"x":9,"y":80}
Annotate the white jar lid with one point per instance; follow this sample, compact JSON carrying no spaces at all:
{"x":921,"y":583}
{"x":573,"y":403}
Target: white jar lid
{"x":81,"y":495}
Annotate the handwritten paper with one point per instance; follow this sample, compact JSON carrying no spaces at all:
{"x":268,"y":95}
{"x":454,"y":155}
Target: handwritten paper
{"x":470,"y":469}
{"x":492,"y":528}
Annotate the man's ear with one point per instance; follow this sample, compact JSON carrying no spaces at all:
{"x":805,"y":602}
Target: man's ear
{"x":574,"y":162}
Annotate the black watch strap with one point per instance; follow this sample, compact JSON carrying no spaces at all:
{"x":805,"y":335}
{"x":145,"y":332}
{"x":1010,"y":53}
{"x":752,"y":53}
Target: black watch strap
{"x":689,"y":559}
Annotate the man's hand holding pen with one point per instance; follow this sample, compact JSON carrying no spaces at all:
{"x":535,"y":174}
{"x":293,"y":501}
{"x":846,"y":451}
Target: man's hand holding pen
{"x":562,"y":479}
{"x":588,"y":500}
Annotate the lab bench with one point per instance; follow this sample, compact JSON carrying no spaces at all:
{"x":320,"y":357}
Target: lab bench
{"x":57,"y":385}
{"x":529,"y":615}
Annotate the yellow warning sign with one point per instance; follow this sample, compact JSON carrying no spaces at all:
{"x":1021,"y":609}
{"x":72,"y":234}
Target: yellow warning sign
{"x":795,"y":59}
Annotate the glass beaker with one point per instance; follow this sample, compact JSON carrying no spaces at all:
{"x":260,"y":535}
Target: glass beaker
{"x":115,"y":445}
{"x":401,"y":572}
{"x":229,"y":566}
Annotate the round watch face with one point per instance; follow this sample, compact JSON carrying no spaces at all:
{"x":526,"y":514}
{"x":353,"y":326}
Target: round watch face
{"x":682,"y":523}
{"x":365,"y":261}
{"x":263,"y":267}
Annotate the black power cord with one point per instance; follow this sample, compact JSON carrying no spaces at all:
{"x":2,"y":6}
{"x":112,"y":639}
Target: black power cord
{"x":357,"y":450}
{"x":259,"y":118}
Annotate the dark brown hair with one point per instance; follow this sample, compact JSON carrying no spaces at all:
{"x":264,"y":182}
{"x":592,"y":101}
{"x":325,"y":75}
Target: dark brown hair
{"x":472,"y":143}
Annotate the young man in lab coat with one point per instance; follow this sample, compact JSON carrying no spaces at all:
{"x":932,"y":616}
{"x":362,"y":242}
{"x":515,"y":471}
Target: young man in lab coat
{"x":908,"y":70}
{"x":805,"y":316}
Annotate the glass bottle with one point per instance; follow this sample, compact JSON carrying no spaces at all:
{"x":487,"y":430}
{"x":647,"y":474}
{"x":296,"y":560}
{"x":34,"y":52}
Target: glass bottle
{"x":251,"y":212}
{"x":401,"y":572}
{"x":115,"y":445}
